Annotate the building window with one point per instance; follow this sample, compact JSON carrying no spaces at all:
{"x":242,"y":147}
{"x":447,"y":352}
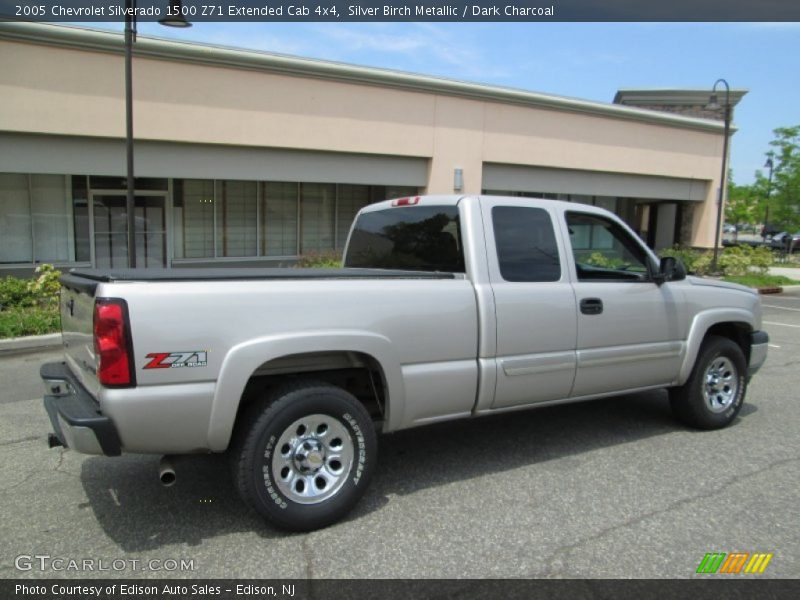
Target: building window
{"x":351,"y":199}
{"x":37,"y":222}
{"x":15,"y":219}
{"x":52,"y":214}
{"x":279,"y":218}
{"x":193,"y":218}
{"x":80,"y":218}
{"x":237,"y":218}
{"x":317,"y":209}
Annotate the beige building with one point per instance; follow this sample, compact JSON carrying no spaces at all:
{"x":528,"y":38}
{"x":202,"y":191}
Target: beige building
{"x":245,"y":157}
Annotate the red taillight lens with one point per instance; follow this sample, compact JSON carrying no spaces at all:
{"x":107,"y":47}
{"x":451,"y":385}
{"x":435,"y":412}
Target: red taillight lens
{"x":111,"y":343}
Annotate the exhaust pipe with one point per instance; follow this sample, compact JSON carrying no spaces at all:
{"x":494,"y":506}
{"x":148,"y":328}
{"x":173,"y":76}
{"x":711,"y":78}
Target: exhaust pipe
{"x":166,"y":472}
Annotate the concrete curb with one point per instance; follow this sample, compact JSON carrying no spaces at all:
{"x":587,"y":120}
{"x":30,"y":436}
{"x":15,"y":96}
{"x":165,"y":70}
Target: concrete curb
{"x":29,"y":343}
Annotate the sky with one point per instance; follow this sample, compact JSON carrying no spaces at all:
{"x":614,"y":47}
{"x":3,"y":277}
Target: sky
{"x":582,"y":60}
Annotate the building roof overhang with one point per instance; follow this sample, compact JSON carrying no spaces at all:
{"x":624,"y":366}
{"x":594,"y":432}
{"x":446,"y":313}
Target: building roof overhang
{"x":152,"y":47}
{"x":674,"y":97}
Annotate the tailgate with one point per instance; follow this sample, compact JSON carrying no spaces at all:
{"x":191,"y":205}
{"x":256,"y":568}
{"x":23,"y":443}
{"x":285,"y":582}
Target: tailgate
{"x":77,"y":311}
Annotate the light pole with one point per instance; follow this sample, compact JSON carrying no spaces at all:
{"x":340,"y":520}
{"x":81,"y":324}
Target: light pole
{"x":174,"y":18}
{"x":769,"y":164}
{"x":713,"y":104}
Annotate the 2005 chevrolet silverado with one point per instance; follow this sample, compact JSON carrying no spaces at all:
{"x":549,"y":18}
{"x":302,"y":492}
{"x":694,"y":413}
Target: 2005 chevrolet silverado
{"x":448,"y":307}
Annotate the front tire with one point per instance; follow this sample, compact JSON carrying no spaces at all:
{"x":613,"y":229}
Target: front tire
{"x":714,"y":393}
{"x":305,"y":455}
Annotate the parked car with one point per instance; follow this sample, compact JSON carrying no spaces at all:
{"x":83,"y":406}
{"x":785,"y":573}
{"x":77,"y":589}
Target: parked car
{"x":447,"y":307}
{"x":781,"y":241}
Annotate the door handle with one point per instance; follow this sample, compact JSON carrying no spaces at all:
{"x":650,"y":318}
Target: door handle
{"x":591,"y":306}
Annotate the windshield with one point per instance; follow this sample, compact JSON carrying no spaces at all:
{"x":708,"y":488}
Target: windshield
{"x":414,"y":238}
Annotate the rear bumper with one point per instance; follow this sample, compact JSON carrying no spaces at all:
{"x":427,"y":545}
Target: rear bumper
{"x":759,"y":342}
{"x":75,"y":415}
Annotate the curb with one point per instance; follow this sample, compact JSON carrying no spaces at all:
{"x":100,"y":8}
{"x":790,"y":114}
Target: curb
{"x":31,"y":342}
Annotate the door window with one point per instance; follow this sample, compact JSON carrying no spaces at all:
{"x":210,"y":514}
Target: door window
{"x":604,"y":251}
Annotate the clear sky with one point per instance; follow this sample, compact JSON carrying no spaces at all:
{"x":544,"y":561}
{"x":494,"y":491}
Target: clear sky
{"x":583,"y":60}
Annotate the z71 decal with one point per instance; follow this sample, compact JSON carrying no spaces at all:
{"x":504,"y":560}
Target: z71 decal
{"x":175,"y":360}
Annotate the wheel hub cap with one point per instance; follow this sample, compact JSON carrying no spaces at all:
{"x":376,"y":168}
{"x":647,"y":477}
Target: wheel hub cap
{"x":309,"y":456}
{"x":721,"y":384}
{"x":313,"y":458}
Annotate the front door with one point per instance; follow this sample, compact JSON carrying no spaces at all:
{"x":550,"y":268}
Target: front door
{"x":629,"y":328}
{"x":111,"y":230}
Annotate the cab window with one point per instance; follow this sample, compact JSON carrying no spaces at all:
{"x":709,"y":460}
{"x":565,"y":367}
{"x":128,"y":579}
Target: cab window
{"x":526,"y":244}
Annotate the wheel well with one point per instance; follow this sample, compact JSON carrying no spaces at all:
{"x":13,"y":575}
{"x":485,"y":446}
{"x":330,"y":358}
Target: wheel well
{"x":355,"y":372}
{"x":738,"y":332}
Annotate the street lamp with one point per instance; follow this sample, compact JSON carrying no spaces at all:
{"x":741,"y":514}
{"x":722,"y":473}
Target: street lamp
{"x":713,"y":104}
{"x":173,"y":19}
{"x":769,"y":165}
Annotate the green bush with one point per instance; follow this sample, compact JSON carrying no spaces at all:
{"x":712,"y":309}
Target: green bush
{"x":598,"y":259}
{"x":32,"y":320}
{"x":42,"y":291}
{"x":47,"y":285}
{"x":739,"y":261}
{"x":761,"y":259}
{"x":735,"y":261}
{"x":319,"y":260}
{"x":696,"y":262}
{"x":30,"y":306}
{"x":15,"y":293}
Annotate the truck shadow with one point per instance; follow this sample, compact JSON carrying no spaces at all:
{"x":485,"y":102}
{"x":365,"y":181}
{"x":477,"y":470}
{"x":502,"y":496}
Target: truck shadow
{"x":138,"y":514}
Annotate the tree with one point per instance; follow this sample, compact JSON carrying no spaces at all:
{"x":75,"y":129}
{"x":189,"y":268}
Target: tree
{"x":785,"y":197}
{"x":742,"y":206}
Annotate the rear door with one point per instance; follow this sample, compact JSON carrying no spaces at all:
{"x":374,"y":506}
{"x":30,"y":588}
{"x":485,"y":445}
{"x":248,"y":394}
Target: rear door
{"x":534,"y":300}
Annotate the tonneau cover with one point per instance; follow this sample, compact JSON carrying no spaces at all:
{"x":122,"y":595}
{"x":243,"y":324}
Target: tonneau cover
{"x":203,"y":274}
{"x":87,"y":279}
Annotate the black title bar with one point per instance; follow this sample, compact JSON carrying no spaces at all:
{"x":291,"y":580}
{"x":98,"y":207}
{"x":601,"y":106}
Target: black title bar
{"x":200,"y":11}
{"x":710,"y":588}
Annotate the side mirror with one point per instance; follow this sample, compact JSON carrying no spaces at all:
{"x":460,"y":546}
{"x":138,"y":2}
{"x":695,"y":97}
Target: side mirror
{"x":670,"y":269}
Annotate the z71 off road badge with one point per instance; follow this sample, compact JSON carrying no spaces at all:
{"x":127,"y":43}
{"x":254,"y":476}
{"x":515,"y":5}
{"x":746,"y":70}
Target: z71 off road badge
{"x":175,"y":360}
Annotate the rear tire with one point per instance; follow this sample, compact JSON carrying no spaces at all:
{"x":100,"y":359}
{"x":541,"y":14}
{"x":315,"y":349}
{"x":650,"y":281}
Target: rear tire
{"x":304,"y":456}
{"x":714,"y":393}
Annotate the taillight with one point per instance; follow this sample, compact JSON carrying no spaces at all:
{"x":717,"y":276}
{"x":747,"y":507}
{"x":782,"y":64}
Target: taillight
{"x":112,"y":343}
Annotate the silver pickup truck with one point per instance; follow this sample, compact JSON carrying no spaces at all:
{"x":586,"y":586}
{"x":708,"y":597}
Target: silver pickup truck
{"x":447,"y":307}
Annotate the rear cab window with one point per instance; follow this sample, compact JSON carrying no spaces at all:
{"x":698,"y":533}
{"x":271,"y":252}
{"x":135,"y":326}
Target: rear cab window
{"x":526,"y":244}
{"x":411,"y":238}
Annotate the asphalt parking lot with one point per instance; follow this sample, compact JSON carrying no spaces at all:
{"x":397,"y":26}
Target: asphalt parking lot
{"x":613,"y":488}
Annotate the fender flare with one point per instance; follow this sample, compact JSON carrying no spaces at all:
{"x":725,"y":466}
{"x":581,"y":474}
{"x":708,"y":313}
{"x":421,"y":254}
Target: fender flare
{"x":242,"y":360}
{"x":701,"y":323}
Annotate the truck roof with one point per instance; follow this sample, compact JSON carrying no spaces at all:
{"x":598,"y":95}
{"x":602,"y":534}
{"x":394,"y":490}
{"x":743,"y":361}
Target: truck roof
{"x":453,"y":199}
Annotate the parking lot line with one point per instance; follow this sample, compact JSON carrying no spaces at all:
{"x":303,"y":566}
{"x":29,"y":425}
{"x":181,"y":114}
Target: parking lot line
{"x":781,"y":324}
{"x":781,"y":307}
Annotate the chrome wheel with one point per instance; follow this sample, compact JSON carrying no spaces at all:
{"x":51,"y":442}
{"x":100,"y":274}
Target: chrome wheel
{"x":312,"y":459}
{"x":721,"y":383}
